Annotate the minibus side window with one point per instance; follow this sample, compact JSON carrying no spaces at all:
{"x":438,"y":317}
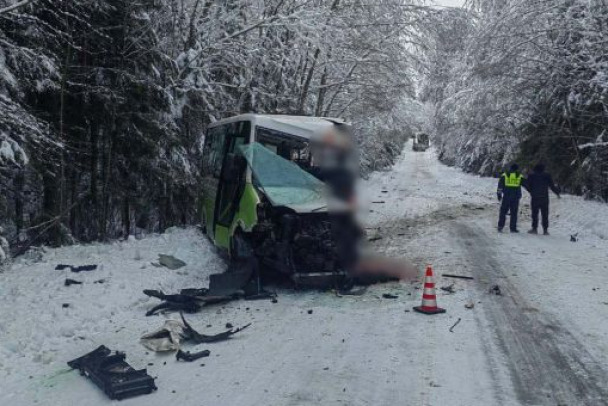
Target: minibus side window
{"x":213,"y":152}
{"x":230,"y":190}
{"x":285,"y":145}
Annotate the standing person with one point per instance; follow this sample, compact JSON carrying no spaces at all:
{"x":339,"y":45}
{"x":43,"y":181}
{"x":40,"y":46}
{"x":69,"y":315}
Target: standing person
{"x":509,"y":192}
{"x":538,"y":184}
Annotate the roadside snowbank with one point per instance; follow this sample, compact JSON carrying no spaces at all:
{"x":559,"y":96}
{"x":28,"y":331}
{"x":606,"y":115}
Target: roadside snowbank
{"x":38,"y":335}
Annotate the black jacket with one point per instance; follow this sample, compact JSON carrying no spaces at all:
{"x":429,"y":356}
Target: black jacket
{"x":538,"y":184}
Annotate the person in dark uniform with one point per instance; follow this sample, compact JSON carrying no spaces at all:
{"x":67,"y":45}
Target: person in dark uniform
{"x":538,"y":184}
{"x":509,"y":192}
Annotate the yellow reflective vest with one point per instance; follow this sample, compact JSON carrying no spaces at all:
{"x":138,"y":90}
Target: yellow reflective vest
{"x":513,"y":179}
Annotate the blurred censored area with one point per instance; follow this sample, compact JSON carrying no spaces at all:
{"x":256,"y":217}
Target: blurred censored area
{"x":335,"y":163}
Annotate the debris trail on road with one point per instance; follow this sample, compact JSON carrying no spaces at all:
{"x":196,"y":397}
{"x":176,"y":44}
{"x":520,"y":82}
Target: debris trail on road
{"x":350,"y":349}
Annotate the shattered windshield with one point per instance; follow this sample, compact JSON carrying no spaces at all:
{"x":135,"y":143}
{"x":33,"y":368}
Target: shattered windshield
{"x":283,"y":182}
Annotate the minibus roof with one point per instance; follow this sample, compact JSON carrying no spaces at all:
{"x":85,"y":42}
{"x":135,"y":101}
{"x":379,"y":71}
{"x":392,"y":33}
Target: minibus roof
{"x":302,"y":126}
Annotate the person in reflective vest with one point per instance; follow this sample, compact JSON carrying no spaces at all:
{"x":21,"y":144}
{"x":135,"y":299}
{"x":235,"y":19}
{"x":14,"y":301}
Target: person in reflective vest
{"x":509,"y":194}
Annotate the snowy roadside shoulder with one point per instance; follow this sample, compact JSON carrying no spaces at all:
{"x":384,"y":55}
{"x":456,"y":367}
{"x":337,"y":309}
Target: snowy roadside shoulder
{"x":46,"y":321}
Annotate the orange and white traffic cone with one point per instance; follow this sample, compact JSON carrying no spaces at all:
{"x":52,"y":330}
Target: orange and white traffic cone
{"x":429,"y":299}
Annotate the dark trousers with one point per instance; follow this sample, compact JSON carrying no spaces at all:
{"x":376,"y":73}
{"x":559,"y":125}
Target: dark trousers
{"x":542,"y":207}
{"x":509,"y":204}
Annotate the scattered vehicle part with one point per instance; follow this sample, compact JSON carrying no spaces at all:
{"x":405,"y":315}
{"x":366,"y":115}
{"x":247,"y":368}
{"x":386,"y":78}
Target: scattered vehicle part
{"x":310,"y":311}
{"x":449,"y":288}
{"x":65,"y":305}
{"x":469,"y":305}
{"x":188,"y":300}
{"x":174,"y":306}
{"x":61,"y":267}
{"x":198,"y":338}
{"x":495,"y":290}
{"x":447,"y":275}
{"x":240,"y":280}
{"x":351,"y":292}
{"x":167,"y":338}
{"x":191,"y":356}
{"x":169,"y":261}
{"x":84,"y":268}
{"x":112,"y":374}
{"x":69,"y":282}
{"x":574,"y":237}
{"x":234,"y":280}
{"x":454,"y":325}
{"x":81,"y":268}
{"x":262,"y":295}
{"x":389,"y":296}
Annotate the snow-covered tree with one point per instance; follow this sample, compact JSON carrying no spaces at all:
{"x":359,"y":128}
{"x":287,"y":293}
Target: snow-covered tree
{"x":530,"y":86}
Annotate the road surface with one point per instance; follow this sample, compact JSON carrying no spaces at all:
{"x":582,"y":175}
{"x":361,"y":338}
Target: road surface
{"x":544,"y":341}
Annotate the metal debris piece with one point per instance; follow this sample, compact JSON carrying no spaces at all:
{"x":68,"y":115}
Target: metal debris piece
{"x":349,"y":291}
{"x":169,"y":261}
{"x":469,"y":305}
{"x":191,"y":356}
{"x":389,"y":296}
{"x":495,"y":290}
{"x":574,"y":237}
{"x":188,"y":300}
{"x":81,"y":268}
{"x":167,"y":338}
{"x":113,"y":374}
{"x":198,"y":338}
{"x":449,"y":289}
{"x":455,"y":324}
{"x":447,"y":275}
{"x":69,"y":282}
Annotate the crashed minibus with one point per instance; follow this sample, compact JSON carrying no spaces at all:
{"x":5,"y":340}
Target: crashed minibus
{"x":263,"y":197}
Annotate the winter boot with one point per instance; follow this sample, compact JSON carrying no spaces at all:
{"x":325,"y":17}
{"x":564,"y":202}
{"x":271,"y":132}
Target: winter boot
{"x":533,"y":231}
{"x":545,"y":232}
{"x":515,"y":231}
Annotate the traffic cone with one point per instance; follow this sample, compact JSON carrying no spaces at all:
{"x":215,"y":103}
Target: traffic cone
{"x":429,"y":299}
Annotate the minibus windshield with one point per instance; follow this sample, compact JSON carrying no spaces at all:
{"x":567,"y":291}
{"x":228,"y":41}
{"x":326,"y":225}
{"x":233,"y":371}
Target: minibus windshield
{"x":283,"y":182}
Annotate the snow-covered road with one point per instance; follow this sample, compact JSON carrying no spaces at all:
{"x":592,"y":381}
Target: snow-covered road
{"x":543,"y":342}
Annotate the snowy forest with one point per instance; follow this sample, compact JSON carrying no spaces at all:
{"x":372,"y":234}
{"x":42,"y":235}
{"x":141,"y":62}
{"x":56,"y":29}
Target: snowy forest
{"x":524,"y":80}
{"x":104,"y":102}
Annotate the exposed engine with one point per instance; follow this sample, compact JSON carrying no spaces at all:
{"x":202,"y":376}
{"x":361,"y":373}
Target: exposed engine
{"x":314,"y":248}
{"x":304,"y":244}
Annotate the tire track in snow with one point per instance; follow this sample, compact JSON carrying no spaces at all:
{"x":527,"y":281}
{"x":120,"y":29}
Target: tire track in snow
{"x":548,"y":364}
